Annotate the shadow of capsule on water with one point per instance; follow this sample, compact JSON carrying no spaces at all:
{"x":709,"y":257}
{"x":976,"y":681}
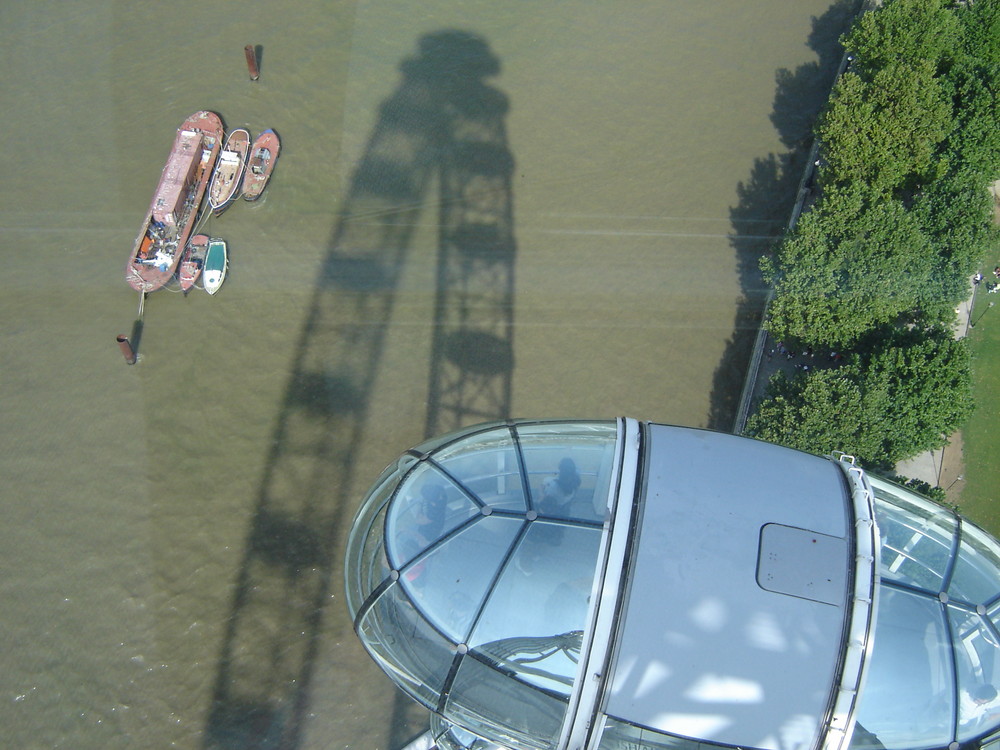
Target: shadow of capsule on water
{"x":286,"y":542}
{"x":323,"y":394}
{"x":479,"y":352}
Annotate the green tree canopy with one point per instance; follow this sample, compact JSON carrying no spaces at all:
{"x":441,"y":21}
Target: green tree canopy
{"x":884,"y":133}
{"x":956,"y":213}
{"x":909,"y":31}
{"x":981,"y":30}
{"x":974,"y":142}
{"x":885,"y":406}
{"x":833,"y":290}
{"x":922,"y":383}
{"x":910,"y":141}
{"x":819,"y":412}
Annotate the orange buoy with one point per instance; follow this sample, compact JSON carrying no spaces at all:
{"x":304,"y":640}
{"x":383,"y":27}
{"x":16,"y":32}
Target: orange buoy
{"x":127,"y":351}
{"x":252,"y":62}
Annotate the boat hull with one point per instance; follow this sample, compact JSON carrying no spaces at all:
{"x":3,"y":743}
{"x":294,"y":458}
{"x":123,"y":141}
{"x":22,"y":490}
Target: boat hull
{"x":192,"y":261}
{"x":260,"y":164}
{"x":176,"y":203}
{"x":229,"y":169}
{"x":216,"y":265}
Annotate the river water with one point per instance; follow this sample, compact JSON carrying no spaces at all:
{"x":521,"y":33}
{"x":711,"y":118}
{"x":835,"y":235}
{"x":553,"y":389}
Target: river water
{"x":481,"y":210}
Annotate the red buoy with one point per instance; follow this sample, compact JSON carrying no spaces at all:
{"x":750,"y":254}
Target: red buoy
{"x":127,"y":351}
{"x":252,"y":62}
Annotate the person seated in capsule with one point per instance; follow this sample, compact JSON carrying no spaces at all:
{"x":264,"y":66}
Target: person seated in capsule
{"x":558,"y":491}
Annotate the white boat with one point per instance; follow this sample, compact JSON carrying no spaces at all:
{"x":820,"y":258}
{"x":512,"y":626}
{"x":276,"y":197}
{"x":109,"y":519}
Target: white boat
{"x":216,"y":265}
{"x":228,"y":174}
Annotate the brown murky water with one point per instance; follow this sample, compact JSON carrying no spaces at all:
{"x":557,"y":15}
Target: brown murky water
{"x":481,"y":210}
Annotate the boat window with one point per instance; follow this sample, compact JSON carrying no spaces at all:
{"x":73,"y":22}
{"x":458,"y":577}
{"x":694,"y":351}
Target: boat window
{"x":977,"y":671}
{"x":486,"y":464}
{"x":917,"y":542}
{"x":621,"y":735}
{"x":977,"y":569}
{"x":451,"y":583}
{"x":532,"y":623}
{"x":427,"y":506}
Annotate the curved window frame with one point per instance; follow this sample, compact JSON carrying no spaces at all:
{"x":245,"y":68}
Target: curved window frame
{"x":890,"y":498}
{"x":525,"y":435}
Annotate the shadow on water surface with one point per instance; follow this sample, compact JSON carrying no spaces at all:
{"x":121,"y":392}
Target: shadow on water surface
{"x":767,"y":196}
{"x":136,"y":336}
{"x":442,"y":123}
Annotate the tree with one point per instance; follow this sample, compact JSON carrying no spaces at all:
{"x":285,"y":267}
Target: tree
{"x":832,"y":288}
{"x":910,"y":142}
{"x":907,"y":31}
{"x":956,"y":213}
{"x":981,"y":30}
{"x":819,"y":412}
{"x":922,"y":382}
{"x":883,"y":406}
{"x":884,"y":133}
{"x":974,"y":142}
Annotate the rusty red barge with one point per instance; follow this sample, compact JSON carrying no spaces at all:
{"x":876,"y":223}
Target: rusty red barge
{"x":176,"y":203}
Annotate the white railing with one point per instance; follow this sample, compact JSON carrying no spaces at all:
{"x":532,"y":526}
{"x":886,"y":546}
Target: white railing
{"x":861,"y":626}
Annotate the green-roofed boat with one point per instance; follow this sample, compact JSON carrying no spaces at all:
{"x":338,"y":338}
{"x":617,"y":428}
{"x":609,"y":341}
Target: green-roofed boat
{"x":216,"y":265}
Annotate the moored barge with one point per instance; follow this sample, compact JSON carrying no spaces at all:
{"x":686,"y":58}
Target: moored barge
{"x":176,"y":203}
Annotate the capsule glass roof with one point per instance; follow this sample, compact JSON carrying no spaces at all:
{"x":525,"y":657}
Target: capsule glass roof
{"x":936,"y":663}
{"x":487,"y":559}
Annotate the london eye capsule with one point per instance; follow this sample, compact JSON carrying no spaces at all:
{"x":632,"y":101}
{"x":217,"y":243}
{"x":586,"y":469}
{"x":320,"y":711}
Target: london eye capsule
{"x":621,"y":585}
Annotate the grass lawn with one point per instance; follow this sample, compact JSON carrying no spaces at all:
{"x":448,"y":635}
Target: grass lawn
{"x":980,"y":499}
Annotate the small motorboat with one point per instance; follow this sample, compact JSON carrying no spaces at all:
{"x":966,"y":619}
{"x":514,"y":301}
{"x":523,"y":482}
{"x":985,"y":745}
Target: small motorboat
{"x":216,"y":265}
{"x":228,"y":175}
{"x":263,"y":154}
{"x":192,"y":261}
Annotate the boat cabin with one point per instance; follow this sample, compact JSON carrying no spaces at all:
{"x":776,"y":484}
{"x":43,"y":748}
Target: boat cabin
{"x":177,"y":177}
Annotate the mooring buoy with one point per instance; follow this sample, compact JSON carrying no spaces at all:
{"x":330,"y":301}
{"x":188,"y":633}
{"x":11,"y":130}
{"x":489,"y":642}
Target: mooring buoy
{"x":127,"y":351}
{"x":252,"y":62}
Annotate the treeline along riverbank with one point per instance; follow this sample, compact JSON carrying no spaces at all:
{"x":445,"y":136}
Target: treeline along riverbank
{"x":869,"y":278}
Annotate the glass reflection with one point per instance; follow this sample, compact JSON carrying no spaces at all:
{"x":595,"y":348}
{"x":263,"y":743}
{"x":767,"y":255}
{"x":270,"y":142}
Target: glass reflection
{"x":534,"y":618}
{"x":492,"y":703}
{"x":908,"y":702}
{"x":917,"y":541}
{"x":568,"y":468}
{"x":976,"y":579}
{"x":977,"y":670}
{"x":365,"y":550}
{"x":486,"y":464}
{"x":406,"y":646}
{"x":621,"y":735}
{"x":427,"y":506}
{"x":450,"y":583}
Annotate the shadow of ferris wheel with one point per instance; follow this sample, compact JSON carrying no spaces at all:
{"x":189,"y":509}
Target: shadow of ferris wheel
{"x":443,"y":122}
